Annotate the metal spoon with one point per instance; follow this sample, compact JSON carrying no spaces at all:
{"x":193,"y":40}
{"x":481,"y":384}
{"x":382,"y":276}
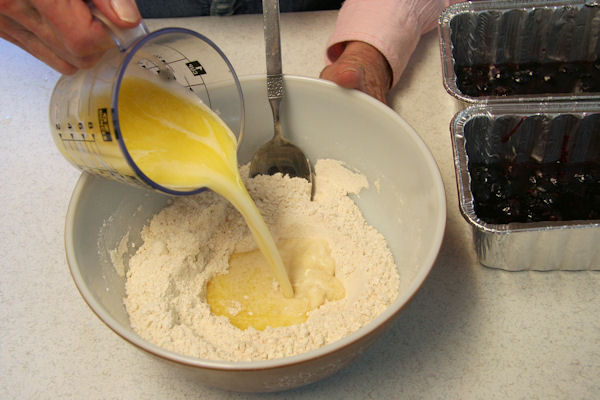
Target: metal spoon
{"x":278,"y":154}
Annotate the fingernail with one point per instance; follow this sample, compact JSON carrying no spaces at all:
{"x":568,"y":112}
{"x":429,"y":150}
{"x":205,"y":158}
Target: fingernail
{"x":126,"y":10}
{"x":351,"y":77}
{"x":350,"y":70}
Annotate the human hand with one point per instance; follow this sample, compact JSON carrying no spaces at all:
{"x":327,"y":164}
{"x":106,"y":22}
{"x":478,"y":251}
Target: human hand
{"x":361,"y":66}
{"x":63,"y":33}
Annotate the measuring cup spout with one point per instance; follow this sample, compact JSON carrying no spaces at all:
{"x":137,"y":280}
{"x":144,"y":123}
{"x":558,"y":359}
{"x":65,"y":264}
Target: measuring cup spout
{"x":122,"y":37}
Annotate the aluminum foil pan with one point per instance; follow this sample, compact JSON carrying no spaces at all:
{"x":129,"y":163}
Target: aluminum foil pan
{"x":508,"y":51}
{"x":540,"y":147}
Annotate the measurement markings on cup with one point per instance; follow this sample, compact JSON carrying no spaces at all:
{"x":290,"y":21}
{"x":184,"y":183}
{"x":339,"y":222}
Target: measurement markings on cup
{"x":103,"y":124}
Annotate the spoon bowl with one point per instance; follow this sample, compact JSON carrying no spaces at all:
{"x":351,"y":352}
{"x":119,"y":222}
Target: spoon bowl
{"x":278,"y":154}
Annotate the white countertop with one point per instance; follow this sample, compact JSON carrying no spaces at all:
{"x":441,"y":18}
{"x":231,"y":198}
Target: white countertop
{"x":470,"y":333}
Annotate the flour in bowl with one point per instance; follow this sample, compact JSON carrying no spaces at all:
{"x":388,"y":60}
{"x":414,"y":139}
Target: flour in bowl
{"x":191,"y":241}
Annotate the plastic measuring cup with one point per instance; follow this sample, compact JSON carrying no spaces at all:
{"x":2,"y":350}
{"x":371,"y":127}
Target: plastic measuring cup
{"x":84,"y":107}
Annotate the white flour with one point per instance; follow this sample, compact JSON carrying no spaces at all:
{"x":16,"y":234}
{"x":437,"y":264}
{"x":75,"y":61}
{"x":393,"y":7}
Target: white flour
{"x":191,"y":240}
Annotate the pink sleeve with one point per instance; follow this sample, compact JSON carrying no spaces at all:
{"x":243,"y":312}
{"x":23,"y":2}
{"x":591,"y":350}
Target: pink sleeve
{"x":391,"y":26}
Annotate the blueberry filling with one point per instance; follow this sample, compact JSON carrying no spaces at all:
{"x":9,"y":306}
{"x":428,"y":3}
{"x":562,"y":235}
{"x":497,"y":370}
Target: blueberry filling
{"x":529,"y":78}
{"x":533,"y":192}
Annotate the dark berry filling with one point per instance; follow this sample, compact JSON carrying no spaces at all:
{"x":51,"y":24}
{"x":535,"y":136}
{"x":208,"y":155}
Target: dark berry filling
{"x":529,"y":78}
{"x":532,"y":192}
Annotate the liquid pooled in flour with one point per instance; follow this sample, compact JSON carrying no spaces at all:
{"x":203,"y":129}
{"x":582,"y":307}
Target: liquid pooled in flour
{"x":246,"y":294}
{"x":201,"y":151}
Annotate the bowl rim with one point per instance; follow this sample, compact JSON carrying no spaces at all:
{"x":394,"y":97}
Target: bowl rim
{"x":221,"y":365}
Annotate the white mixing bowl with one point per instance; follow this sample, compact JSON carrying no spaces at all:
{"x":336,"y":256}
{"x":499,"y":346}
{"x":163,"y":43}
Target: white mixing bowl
{"x":405,"y":202}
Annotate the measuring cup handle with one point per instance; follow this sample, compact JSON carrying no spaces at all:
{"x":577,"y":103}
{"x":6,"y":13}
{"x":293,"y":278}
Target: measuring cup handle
{"x":122,"y":37}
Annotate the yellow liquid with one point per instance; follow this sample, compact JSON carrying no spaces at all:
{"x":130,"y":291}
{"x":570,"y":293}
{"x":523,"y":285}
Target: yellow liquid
{"x":245,"y":294}
{"x":181,"y":144}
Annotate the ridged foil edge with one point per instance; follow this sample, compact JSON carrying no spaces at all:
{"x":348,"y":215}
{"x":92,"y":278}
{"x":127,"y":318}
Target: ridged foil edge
{"x":557,"y":245}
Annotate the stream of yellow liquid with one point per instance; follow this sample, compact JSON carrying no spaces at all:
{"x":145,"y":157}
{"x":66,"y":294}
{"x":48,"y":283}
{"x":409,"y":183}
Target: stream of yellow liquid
{"x":180,"y":143}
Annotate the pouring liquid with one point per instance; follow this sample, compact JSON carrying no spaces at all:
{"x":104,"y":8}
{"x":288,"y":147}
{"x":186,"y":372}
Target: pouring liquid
{"x":180,"y":143}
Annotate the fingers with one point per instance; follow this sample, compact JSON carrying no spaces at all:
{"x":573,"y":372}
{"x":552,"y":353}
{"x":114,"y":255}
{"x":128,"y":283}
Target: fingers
{"x":77,"y":30}
{"x":22,"y":37}
{"x":361,"y":66}
{"x":63,"y":33}
{"x":123,"y":13}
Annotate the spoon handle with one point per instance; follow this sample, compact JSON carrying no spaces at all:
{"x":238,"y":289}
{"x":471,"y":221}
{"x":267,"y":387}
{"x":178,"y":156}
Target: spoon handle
{"x":273,"y":49}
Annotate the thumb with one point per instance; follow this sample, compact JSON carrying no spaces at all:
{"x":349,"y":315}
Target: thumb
{"x":346,"y":75}
{"x":122,"y":13}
